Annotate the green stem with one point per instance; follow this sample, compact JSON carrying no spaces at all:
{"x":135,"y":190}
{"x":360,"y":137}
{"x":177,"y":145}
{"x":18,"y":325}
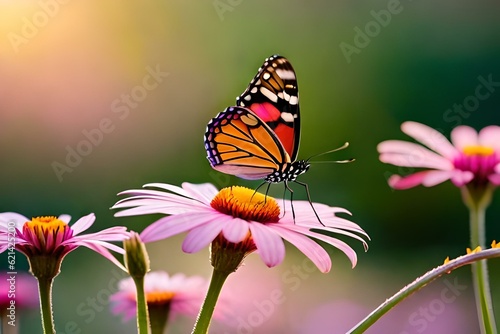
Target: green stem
{"x":419,"y":283}
{"x":142,"y":307}
{"x":45,"y":291}
{"x":477,"y":202}
{"x":205,"y":316}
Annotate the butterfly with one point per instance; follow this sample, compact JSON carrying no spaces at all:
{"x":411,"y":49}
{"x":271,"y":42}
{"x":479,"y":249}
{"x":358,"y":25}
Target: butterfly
{"x":259,"y":137}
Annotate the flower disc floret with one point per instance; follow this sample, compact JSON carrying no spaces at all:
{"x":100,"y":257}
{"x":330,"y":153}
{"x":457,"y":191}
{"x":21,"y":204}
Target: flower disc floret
{"x":244,"y":203}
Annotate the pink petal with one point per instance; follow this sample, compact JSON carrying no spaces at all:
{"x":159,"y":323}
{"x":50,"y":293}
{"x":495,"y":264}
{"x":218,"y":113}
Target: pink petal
{"x":398,"y":159}
{"x":203,"y":192}
{"x":270,"y":246}
{"x":153,"y":201}
{"x":104,"y":244}
{"x":406,"y":154}
{"x":169,"y":187}
{"x":342,"y":246}
{"x":235,"y":230}
{"x":495,"y":179}
{"x":65,"y":218}
{"x":431,"y":138}
{"x":490,"y":136}
{"x":428,"y":178}
{"x":407,"y":182}
{"x":104,"y":252}
{"x":115,"y":233}
{"x":83,"y":223}
{"x":463,"y":136}
{"x":6,"y":217}
{"x":461,"y":178}
{"x":435,"y":177}
{"x":309,"y":247}
{"x":168,"y":226}
{"x":200,"y":237}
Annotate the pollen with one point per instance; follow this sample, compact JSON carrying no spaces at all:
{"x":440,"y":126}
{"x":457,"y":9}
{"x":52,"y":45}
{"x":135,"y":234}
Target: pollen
{"x":47,"y":224}
{"x":159,"y":297}
{"x":476,"y":150}
{"x":247,"y":204}
{"x":495,"y":244}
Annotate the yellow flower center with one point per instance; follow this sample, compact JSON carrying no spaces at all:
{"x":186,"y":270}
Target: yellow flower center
{"x":246,"y":204}
{"x":159,"y":297}
{"x":484,"y":151}
{"x":48,"y":224}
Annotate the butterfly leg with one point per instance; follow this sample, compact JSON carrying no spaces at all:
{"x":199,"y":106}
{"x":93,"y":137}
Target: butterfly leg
{"x":267,"y":191}
{"x":309,"y":199}
{"x":283,"y":199}
{"x":260,"y":185}
{"x":291,"y":200}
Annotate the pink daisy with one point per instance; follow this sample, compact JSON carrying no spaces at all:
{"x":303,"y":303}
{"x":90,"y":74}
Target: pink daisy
{"x":19,"y":287}
{"x":470,"y":158}
{"x":42,"y":236}
{"x":169,"y":295}
{"x":242,"y":219}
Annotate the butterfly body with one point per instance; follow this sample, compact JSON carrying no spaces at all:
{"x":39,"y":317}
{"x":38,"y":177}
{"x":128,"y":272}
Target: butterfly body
{"x":289,"y":172}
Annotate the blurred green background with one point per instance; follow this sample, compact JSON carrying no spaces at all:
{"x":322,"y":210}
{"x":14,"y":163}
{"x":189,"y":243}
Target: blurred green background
{"x":67,"y":68}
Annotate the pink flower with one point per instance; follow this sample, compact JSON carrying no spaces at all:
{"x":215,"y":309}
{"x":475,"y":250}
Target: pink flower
{"x":19,"y":287}
{"x":471,"y":157}
{"x":42,"y":236}
{"x":175,"y":295}
{"x":244,"y":219}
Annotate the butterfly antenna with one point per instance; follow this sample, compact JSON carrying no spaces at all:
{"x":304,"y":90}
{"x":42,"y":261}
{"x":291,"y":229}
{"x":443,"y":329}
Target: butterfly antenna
{"x":309,"y":199}
{"x":346,"y":145}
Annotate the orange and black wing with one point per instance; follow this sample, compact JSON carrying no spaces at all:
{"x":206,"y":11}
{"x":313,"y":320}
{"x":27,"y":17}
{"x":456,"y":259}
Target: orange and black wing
{"x":273,"y":95}
{"x":239,"y":143}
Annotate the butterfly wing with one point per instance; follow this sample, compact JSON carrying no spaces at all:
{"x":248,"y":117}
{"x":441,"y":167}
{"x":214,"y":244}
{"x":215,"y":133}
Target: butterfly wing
{"x":239,"y":143}
{"x":274,"y":97}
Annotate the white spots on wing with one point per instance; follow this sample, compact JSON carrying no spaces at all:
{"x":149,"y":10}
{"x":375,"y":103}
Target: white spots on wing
{"x":254,"y":90}
{"x":270,"y":95}
{"x":294,"y":100}
{"x":258,"y":83}
{"x":266,"y":76}
{"x":287,"y":117}
{"x":247,"y":97}
{"x":285,"y":74}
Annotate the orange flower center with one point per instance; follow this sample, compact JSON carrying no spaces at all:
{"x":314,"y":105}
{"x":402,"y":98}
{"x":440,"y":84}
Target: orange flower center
{"x":48,"y":224}
{"x":159,"y":297}
{"x":484,"y":151}
{"x":244,"y":203}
